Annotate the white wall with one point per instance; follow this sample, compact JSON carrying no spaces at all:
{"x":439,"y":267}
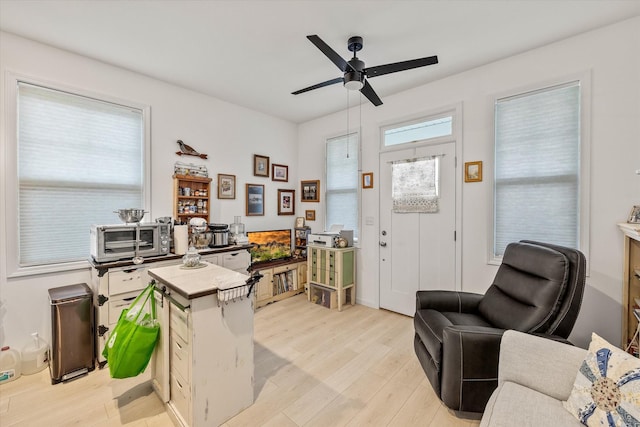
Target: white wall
{"x":612,"y":56}
{"x":229,"y":134}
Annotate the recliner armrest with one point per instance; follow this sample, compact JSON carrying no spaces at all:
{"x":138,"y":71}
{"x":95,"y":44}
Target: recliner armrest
{"x":469,"y":365}
{"x":541,"y":364}
{"x":460,"y":302}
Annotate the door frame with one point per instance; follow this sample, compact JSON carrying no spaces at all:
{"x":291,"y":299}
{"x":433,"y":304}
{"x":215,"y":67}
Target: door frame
{"x":456,"y":138}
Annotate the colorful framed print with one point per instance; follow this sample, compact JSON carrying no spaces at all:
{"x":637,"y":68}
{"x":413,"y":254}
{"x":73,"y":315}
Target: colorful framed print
{"x":286,"y":202}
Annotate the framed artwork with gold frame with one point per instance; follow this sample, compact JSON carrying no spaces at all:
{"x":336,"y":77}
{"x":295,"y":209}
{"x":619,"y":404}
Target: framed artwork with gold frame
{"x":473,"y":172}
{"x":367,"y":180}
{"x":310,"y":215}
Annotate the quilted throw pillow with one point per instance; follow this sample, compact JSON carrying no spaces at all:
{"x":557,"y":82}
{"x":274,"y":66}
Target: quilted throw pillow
{"x":606,"y":391}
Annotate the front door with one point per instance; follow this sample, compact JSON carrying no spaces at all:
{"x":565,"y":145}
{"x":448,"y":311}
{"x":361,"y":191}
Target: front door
{"x":417,"y":250}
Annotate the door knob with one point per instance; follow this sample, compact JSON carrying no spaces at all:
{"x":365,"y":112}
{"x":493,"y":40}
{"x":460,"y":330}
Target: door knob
{"x":383,"y":244}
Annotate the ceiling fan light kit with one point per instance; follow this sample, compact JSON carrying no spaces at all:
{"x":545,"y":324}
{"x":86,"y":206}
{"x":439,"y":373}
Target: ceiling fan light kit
{"x":353,"y":80}
{"x":355,"y":74}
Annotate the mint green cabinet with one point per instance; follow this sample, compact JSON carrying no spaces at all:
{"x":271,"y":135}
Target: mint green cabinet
{"x":333,"y":269}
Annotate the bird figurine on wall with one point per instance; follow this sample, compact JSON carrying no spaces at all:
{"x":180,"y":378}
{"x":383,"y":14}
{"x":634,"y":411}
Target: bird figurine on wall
{"x":187,"y":150}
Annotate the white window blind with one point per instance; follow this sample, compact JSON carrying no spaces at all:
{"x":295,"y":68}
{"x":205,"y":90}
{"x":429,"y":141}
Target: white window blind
{"x":537,"y":167}
{"x":79,"y":159}
{"x":342,"y":182}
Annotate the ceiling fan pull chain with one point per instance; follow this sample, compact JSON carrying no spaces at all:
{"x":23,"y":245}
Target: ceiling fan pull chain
{"x":347,"y":124}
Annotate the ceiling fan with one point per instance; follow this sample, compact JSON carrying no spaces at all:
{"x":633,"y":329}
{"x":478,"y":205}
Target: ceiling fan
{"x":355,"y":74}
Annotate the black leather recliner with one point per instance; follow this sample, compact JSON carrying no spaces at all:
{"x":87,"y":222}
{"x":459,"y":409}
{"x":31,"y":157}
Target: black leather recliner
{"x":538,"y":289}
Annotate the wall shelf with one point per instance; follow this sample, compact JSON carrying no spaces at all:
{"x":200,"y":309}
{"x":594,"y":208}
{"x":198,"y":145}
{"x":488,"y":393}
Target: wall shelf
{"x":191,"y":197}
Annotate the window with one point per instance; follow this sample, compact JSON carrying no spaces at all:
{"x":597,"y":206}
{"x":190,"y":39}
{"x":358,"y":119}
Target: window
{"x":420,"y":130}
{"x":79,"y":159}
{"x":537,"y":167}
{"x":342,"y":182}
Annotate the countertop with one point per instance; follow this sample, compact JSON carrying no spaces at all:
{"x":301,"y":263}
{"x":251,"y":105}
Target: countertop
{"x":168,"y":257}
{"x":197,"y":282}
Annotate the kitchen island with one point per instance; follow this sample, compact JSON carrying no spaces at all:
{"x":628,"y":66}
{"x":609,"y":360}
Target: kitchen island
{"x":116,"y":284}
{"x":203,"y":364}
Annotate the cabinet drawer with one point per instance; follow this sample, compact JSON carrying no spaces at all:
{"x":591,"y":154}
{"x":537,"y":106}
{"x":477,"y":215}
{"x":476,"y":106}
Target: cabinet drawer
{"x":179,"y":322}
{"x":211,"y":259}
{"x":325,"y":277}
{"x":238,"y":261}
{"x":180,"y":396}
{"x":127,"y":281}
{"x":283,"y":269}
{"x":120,"y":303}
{"x":180,"y":356}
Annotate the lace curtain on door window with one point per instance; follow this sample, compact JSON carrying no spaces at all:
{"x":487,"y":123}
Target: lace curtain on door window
{"x":416,"y":185}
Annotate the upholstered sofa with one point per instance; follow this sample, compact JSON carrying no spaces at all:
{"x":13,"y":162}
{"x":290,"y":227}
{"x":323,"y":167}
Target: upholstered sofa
{"x":534,"y":376}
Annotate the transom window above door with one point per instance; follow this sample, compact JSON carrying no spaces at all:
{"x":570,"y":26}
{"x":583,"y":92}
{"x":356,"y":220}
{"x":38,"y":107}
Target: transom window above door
{"x":419,"y":130}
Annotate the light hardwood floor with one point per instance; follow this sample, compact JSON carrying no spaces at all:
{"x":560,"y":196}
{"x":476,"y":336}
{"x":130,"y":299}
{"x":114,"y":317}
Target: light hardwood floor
{"x":313,"y":367}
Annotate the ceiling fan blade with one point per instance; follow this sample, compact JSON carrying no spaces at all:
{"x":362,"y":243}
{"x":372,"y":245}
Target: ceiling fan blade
{"x":330,"y":53}
{"x":400,"y":66}
{"x":319,"y":85}
{"x":371,"y":95}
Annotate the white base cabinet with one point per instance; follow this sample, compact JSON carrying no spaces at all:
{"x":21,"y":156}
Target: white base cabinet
{"x":115,"y":288}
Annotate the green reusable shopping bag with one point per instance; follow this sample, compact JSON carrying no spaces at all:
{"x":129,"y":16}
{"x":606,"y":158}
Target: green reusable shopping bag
{"x":134,"y":337}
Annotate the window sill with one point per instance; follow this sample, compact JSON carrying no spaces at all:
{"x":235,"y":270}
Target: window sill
{"x":495,"y":260}
{"x":50,"y":268}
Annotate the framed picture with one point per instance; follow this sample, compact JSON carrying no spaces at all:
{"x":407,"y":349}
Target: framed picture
{"x":255,"y":199}
{"x":473,"y":172}
{"x":260,"y":165}
{"x":367,"y":180}
{"x":286,"y":202}
{"x":634,"y":216}
{"x":226,"y":186}
{"x":310,"y":215}
{"x":279,"y":173}
{"x":310,"y":191}
{"x":299,"y":222}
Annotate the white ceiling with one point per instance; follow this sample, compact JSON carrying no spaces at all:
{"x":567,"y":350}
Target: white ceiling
{"x":254,"y":53}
